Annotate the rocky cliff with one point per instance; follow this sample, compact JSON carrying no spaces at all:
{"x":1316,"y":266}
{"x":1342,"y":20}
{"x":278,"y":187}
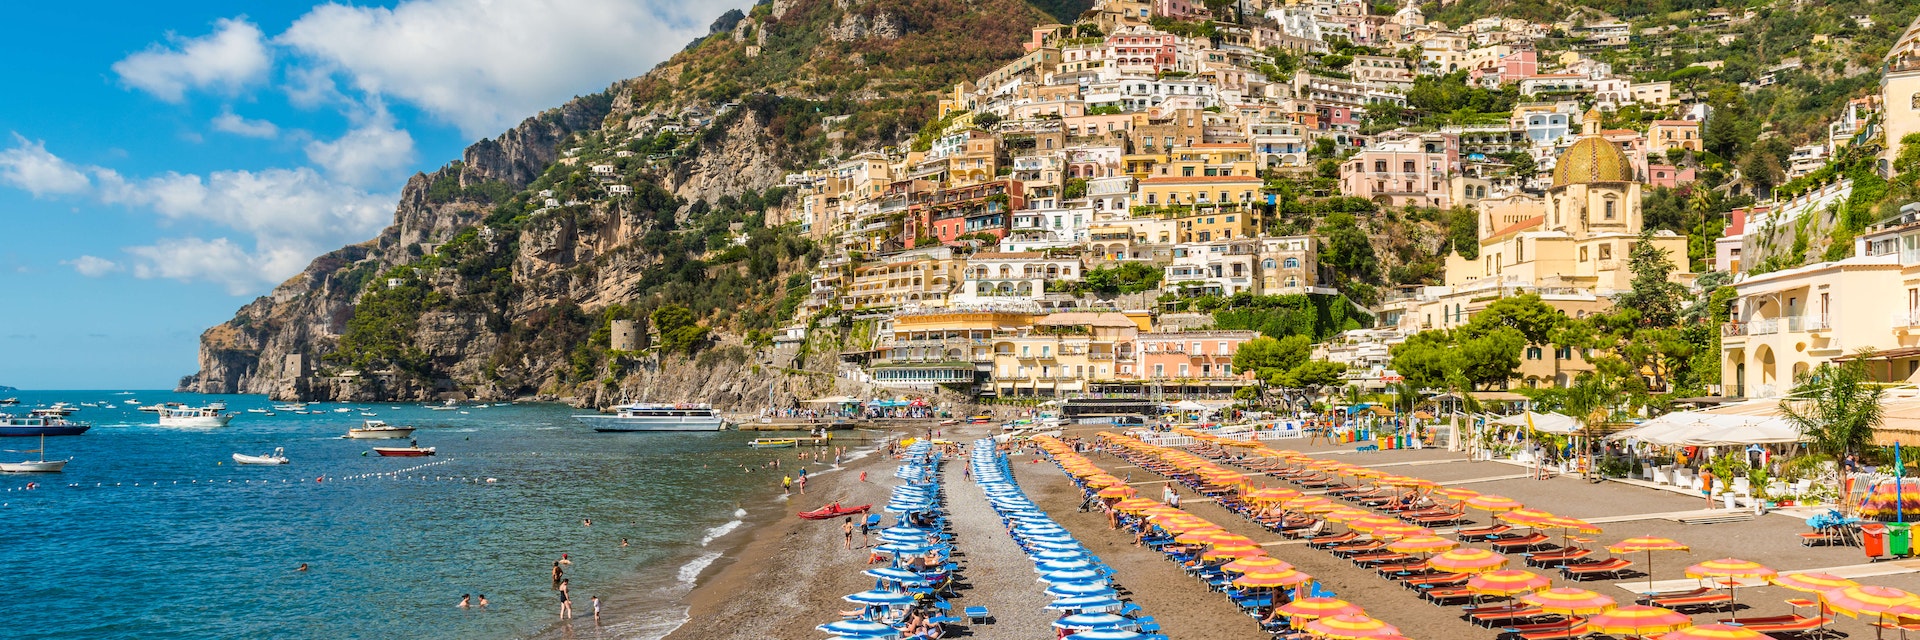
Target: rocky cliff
{"x":502,"y":271}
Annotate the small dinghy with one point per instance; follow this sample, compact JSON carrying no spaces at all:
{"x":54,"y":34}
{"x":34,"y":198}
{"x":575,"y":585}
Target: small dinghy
{"x":279,"y":456}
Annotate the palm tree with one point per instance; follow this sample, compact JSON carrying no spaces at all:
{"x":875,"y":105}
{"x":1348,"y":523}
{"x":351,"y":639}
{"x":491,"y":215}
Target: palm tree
{"x":1836,"y":408}
{"x":1590,"y":401}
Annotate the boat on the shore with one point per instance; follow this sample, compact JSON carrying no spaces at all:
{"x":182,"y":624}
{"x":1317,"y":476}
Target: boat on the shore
{"x":279,"y":456}
{"x":414,"y":451}
{"x":378,"y":430}
{"x":43,"y":465}
{"x":774,"y":443}
{"x":40,"y":425}
{"x":193,"y":417}
{"x":833,"y":511}
{"x":656,"y":417}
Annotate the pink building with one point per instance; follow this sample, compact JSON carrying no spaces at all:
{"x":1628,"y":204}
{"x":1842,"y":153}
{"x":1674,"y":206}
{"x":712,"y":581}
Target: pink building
{"x":1508,"y":68}
{"x":1176,"y":9}
{"x":1143,"y":48}
{"x":1407,"y":171}
{"x":1666,"y":175}
{"x":1190,"y":355}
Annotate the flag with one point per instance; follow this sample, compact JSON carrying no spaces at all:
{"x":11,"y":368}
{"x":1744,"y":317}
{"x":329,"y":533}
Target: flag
{"x":1530,"y":427}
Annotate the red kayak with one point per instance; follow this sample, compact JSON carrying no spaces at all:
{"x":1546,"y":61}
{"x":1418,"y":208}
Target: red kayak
{"x":833,"y":511}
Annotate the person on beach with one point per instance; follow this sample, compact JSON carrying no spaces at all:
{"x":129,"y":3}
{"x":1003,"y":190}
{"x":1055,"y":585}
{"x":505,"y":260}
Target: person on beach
{"x":786,"y":485}
{"x":596,"y":609}
{"x":866,"y":528}
{"x":801,"y":484}
{"x":466,"y":600}
{"x":566,"y":606}
{"x":847,"y":528}
{"x":557,"y":573}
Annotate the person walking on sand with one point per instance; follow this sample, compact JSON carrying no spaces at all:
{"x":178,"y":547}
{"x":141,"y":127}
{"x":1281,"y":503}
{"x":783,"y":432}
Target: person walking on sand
{"x":566,"y":606}
{"x":801,"y":484}
{"x":596,"y":609}
{"x":847,"y":528}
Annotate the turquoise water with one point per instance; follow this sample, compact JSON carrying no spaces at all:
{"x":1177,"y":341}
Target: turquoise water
{"x":154,"y":533}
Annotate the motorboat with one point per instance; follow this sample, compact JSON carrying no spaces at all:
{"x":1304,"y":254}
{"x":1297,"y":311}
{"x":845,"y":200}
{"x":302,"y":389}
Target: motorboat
{"x":58,"y":409}
{"x":297,"y":406}
{"x":256,"y":411}
{"x":368,"y":414}
{"x":415,"y":451}
{"x":40,"y":425}
{"x":773,"y":443}
{"x":157,"y":407}
{"x":445,"y":406}
{"x":378,"y":430}
{"x":193,"y":417}
{"x":341,"y":410}
{"x":279,"y":456}
{"x":8,"y":402}
{"x":656,"y":417}
{"x":43,"y":465}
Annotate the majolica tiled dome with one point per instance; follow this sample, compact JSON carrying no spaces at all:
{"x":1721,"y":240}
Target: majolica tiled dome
{"x":1592,"y":159}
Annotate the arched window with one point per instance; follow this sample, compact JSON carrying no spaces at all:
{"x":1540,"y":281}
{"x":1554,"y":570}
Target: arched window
{"x":1293,"y":263}
{"x":1266,"y":264}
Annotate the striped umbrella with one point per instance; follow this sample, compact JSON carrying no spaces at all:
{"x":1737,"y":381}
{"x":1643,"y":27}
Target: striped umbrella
{"x":1393,"y":531}
{"x":1312,"y":504}
{"x":1135,"y":505}
{"x":1116,"y":492}
{"x":1455,"y":493}
{"x":1811,"y":582}
{"x":1271,"y":495}
{"x":1352,"y":626}
{"x":1715,"y":632}
{"x":1892,"y":497}
{"x":1420,"y":544}
{"x":1235,"y":552}
{"x":1648,"y":544}
{"x":1525,"y":517}
{"x":1568,"y":601}
{"x":1730,"y":568}
{"x":1303,"y":609}
{"x":1272,"y":579}
{"x":1256,"y":563}
{"x":1345,"y":513}
{"x":1199,"y":536}
{"x":1371,"y":522}
{"x":1637,"y":620}
{"x":1468,"y":560}
{"x":1492,"y":503}
{"x":1507,"y":582}
{"x":1868,"y":600}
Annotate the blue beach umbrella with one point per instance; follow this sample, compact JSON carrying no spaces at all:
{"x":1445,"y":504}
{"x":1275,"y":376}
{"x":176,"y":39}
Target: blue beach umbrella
{"x":899,"y":548}
{"x":1071,"y":575}
{"x":900,"y":575}
{"x":1072,"y":589}
{"x":1083,"y":603}
{"x":1051,"y":545}
{"x":1061,"y":555}
{"x":1106,"y":634}
{"x":855,"y":628}
{"x":1064,"y":565}
{"x":1092,"y":621}
{"x":881,"y":597}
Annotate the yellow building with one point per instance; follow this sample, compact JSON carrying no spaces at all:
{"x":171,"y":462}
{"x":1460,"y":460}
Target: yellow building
{"x":1065,"y":353}
{"x":931,"y":347}
{"x":1209,"y":160}
{"x":921,"y":276}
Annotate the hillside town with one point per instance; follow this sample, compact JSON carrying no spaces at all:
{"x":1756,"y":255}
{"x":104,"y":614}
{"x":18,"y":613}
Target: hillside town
{"x":1073,"y":222}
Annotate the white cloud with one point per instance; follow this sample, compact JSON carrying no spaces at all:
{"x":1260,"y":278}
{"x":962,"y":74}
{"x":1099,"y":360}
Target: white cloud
{"x":218,"y":260}
{"x":372,"y":150}
{"x":232,"y":123}
{"x":92,"y":266}
{"x":231,"y":57}
{"x":486,"y":65}
{"x":28,"y":165}
{"x":312,"y":86}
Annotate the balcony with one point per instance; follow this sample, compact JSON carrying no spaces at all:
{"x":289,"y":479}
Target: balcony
{"x":1906,"y":319}
{"x":1768,"y":326}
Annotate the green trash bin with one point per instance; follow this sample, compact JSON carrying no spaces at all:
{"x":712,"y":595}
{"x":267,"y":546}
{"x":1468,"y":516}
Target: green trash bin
{"x":1899,"y":539}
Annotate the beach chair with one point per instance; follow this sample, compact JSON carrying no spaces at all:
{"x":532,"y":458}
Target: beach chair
{"x":1551,"y":559}
{"x":1557,"y":630}
{"x":1494,"y":616}
{"x":1698,"y":600}
{"x":976,"y":615}
{"x":1434,"y":580}
{"x":1608,"y":568}
{"x":1350,"y":549}
{"x":1328,"y":541}
{"x":1782,"y":625}
{"x":1448,"y":595}
{"x":1521,"y":543}
{"x":1435,"y":519}
{"x":1483,"y":532}
{"x":1370,"y":559}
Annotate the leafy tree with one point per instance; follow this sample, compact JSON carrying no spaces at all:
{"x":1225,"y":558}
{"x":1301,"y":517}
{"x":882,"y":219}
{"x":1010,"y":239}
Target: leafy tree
{"x":1426,"y":359}
{"x":1836,"y":407}
{"x":1463,"y":232}
{"x":1128,"y":277}
{"x":1312,"y":375}
{"x":1654,"y":296}
{"x":1492,"y":358}
{"x":1267,"y":357}
{"x":678,"y":330}
{"x":1347,"y":249}
{"x":1534,"y":320}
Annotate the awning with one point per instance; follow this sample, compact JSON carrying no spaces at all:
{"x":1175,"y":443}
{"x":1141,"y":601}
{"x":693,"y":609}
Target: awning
{"x":1753,"y":422}
{"x":1542,"y":422}
{"x":832,"y":400}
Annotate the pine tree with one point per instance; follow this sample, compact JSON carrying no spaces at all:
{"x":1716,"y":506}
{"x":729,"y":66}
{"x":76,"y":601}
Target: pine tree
{"x":1657,"y":298}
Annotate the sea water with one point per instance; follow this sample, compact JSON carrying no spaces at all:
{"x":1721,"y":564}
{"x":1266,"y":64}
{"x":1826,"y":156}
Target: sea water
{"x":154,"y":532}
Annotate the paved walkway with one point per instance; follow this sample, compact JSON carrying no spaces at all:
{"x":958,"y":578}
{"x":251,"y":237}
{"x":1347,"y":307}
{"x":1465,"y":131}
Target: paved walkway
{"x":1002,"y":576}
{"x":1851,"y":572}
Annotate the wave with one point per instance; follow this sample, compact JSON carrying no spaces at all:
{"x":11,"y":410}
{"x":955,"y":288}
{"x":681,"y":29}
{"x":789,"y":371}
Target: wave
{"x":716,"y":532}
{"x":739,"y":513}
{"x":690,"y":572}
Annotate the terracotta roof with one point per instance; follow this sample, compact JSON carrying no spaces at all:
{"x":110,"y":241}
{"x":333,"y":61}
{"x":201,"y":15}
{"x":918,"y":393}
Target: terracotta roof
{"x":1199,"y":179}
{"x":996,"y":255}
{"x":1522,"y":225}
{"x":1677,"y":123}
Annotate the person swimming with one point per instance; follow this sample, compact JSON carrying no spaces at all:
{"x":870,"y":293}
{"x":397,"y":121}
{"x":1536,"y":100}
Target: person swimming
{"x":465,"y":600}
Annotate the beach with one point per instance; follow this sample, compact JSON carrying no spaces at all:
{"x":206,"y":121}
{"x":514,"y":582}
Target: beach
{"x":787,"y":575}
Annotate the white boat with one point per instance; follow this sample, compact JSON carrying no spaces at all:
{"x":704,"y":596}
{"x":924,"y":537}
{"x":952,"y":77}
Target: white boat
{"x":279,"y":456}
{"x":378,"y":430}
{"x":193,"y":417}
{"x":656,"y":417}
{"x":297,"y":406}
{"x":256,"y":411}
{"x":43,"y":465}
{"x":341,"y":410}
{"x":368,"y":414}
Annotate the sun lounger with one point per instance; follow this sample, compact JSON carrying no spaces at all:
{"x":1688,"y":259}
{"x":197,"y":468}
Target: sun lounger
{"x":1378,"y":557}
{"x":1403,"y":568}
{"x":1608,"y":568}
{"x":975,"y":614}
{"x":1429,"y":520}
{"x":1489,"y":616}
{"x":1435,"y":580}
{"x":1521,"y":543}
{"x":1327,"y":541}
{"x":1705,"y":599}
{"x":1785,"y":625}
{"x":1562,"y":630}
{"x":1351,"y":549}
{"x":1448,"y":595}
{"x":1550,"y":559}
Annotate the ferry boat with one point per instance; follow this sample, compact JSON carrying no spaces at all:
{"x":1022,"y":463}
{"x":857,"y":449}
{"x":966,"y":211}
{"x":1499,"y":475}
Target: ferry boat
{"x":193,"y":417}
{"x":40,"y":425}
{"x":656,"y":417}
{"x":378,"y":430}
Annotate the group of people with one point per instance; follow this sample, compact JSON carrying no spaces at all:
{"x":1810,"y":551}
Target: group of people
{"x":560,"y":585}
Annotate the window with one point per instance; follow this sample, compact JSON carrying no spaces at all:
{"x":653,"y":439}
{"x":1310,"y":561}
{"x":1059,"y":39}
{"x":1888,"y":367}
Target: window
{"x":1406,"y":167}
{"x":1159,"y":371}
{"x":1380,"y":166}
{"x":1609,"y":209}
{"x":1292,"y":263}
{"x":1606,"y":251}
{"x":1025,"y":351}
{"x":1221,"y":349}
{"x":1185,"y":370}
{"x":1583,"y":254}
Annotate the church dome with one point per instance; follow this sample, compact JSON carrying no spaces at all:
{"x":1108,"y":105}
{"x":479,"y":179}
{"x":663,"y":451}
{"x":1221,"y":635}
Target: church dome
{"x":1592,"y":159}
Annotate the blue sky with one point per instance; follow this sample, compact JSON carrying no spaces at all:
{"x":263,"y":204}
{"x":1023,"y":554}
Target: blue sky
{"x":162,"y":164}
